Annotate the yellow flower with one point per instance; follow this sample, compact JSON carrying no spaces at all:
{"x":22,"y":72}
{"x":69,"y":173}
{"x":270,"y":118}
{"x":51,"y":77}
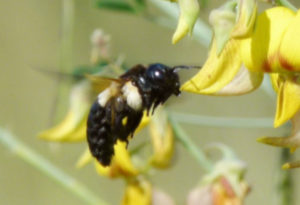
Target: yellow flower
{"x":224,"y":72}
{"x":276,"y":49}
{"x":236,"y":64}
{"x":162,"y":140}
{"x":269,"y":48}
{"x":278,"y":53}
{"x":273,"y":45}
{"x":73,"y":127}
{"x":138,"y":192}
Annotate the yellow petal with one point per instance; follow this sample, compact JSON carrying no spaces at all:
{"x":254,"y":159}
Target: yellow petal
{"x":67,"y":131}
{"x":292,"y":142}
{"x":144,"y":122}
{"x":62,"y":129}
{"x":121,"y":164}
{"x":163,"y":152}
{"x":189,"y":10}
{"x":122,"y":158}
{"x":104,"y":171}
{"x":162,"y":140}
{"x":260,"y":51}
{"x":84,"y":159}
{"x":278,"y":141}
{"x":217,"y":71}
{"x":73,"y":127}
{"x":246,"y":18}
{"x":291,"y":165}
{"x":289,"y":52}
{"x":275,"y":80}
{"x":244,"y":82}
{"x":78,"y":134}
{"x":288,"y":101}
{"x":138,"y":193}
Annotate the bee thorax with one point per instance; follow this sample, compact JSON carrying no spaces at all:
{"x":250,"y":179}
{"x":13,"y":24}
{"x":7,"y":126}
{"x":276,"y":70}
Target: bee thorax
{"x":132,"y":96}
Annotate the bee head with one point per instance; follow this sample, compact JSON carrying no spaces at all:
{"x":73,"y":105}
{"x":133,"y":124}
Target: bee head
{"x":163,"y":77}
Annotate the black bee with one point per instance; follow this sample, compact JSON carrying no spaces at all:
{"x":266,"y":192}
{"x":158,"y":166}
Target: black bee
{"x":118,"y":109}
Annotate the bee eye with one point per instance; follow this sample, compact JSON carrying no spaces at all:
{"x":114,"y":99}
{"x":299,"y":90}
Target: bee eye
{"x":156,"y":72}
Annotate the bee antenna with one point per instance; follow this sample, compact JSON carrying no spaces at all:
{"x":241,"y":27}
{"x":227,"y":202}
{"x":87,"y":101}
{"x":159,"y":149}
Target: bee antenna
{"x":178,"y":67}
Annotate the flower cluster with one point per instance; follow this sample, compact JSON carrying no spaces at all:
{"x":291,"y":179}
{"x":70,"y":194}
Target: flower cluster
{"x":244,"y":47}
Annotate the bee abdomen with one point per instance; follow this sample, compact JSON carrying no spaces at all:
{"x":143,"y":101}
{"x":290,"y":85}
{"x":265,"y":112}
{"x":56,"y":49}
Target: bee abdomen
{"x":99,"y":136}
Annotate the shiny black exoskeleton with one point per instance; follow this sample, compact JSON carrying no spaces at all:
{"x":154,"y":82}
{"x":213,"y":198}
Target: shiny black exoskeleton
{"x":118,"y":117}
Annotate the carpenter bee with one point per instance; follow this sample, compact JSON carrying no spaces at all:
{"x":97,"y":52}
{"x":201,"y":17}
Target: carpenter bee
{"x":118,"y":109}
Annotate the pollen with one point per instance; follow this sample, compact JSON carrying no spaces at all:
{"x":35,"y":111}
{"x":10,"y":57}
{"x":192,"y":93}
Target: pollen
{"x":132,"y":95}
{"x":124,"y":121}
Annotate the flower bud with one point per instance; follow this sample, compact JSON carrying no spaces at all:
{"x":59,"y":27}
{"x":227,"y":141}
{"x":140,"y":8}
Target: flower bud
{"x":189,"y":10}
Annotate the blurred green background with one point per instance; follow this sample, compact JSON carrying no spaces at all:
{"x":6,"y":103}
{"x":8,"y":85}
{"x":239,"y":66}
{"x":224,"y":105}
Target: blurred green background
{"x":30,"y":37}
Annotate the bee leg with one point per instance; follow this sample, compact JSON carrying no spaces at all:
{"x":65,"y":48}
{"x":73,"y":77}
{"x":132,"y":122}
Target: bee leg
{"x":157,"y":102}
{"x":125,"y":122}
{"x":147,"y":101}
{"x":134,"y":119}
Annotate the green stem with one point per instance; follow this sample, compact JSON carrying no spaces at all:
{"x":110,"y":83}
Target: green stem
{"x":287,"y":4}
{"x":43,"y":165}
{"x":284,"y":182}
{"x":227,"y":122}
{"x":184,"y":139}
{"x":66,"y":53}
{"x":67,"y":35}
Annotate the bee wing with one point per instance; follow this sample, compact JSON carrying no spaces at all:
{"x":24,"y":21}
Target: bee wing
{"x":99,"y":83}
{"x":59,"y":75}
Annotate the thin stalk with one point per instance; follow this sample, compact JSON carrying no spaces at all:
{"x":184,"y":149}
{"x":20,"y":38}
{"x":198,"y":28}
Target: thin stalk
{"x":67,"y":34}
{"x":189,"y":145}
{"x":287,"y":4}
{"x":50,"y":170}
{"x":284,"y":182}
{"x":228,"y":122}
{"x":66,"y":53}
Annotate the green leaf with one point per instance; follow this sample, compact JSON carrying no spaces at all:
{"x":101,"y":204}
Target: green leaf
{"x":117,"y":5}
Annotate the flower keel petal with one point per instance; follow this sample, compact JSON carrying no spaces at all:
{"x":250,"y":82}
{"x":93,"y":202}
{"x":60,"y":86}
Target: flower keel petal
{"x":218,"y":71}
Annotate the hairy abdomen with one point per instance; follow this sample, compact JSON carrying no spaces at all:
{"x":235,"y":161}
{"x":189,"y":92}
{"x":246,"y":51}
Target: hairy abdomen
{"x":99,"y":135}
